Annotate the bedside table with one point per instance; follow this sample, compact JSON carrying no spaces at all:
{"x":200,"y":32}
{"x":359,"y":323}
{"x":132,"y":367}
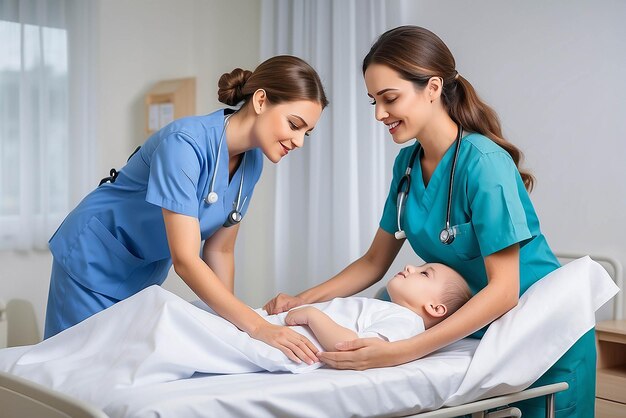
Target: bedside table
{"x":611,"y":373}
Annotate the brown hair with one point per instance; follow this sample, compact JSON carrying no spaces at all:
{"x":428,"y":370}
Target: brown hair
{"x":417,"y":54}
{"x":284,"y":78}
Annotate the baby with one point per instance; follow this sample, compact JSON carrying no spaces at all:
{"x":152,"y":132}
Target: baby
{"x":432,"y":291}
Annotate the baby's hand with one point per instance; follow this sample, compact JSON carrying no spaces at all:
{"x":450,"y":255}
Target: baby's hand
{"x":299,"y":316}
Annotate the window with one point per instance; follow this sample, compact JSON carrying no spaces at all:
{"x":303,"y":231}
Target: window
{"x":35,"y":146}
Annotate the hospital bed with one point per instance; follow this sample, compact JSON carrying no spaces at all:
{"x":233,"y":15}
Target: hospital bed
{"x":450,"y":377}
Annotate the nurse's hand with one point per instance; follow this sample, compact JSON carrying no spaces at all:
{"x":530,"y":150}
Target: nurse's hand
{"x":282,"y":303}
{"x":295,"y":346}
{"x":362,"y":354}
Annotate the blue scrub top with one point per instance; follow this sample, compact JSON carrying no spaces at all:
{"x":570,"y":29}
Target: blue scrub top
{"x":114,"y":242}
{"x":490,"y":208}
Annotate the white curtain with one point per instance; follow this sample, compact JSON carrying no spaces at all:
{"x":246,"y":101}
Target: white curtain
{"x":46,"y":115}
{"x":329,"y":196}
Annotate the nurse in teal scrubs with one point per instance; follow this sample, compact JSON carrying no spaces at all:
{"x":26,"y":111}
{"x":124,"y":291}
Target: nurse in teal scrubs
{"x":178,"y":201}
{"x":498,"y":246}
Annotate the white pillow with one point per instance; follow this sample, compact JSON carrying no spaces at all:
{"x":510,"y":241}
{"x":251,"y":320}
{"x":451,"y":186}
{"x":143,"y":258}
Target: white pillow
{"x":524,"y":343}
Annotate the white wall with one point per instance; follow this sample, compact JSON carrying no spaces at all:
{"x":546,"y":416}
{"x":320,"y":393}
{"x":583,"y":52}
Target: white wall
{"x":140,"y":43}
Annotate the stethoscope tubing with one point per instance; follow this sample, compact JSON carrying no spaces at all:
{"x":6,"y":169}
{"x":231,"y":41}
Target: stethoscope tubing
{"x":447,"y":234}
{"x":234,"y":216}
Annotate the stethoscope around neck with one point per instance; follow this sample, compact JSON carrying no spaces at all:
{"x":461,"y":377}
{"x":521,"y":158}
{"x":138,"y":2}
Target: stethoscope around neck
{"x":235,"y":216}
{"x":448,"y":233}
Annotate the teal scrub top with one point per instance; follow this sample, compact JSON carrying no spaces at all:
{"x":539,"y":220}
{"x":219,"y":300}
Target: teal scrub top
{"x":491,"y":210}
{"x":114,"y":242}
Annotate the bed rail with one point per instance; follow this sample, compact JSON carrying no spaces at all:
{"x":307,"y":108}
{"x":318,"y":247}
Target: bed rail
{"x":22,"y":398}
{"x":478,"y":409}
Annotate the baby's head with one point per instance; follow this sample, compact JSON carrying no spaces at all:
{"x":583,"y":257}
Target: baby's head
{"x":433,"y":291}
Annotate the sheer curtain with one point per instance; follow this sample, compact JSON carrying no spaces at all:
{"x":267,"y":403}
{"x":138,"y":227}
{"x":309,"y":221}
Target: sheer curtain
{"x":328,"y":197}
{"x":46,"y":122}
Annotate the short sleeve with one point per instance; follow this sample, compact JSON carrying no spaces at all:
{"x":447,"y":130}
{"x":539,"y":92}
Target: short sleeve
{"x":174,"y":173}
{"x":394,"y":324}
{"x":498,"y":214}
{"x":389,"y":219}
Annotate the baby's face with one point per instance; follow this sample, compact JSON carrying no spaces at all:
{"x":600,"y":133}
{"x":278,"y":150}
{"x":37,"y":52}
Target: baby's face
{"x":416,"y":286}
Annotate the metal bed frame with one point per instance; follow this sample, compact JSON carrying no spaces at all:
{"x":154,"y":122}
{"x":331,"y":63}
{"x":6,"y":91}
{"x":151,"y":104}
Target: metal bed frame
{"x":22,"y":398}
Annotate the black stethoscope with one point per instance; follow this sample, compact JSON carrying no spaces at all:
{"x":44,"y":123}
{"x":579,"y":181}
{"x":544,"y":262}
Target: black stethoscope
{"x":448,"y":233}
{"x":235,"y":216}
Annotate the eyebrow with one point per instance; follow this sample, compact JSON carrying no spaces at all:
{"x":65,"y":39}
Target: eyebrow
{"x":306,"y":125}
{"x":432,"y":270}
{"x":383,"y":91}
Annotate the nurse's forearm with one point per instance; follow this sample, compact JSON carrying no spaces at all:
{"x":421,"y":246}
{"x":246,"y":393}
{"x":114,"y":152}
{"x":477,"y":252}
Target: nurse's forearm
{"x":223,"y":265}
{"x":357,"y":276}
{"x":210,"y":289}
{"x":498,"y":297}
{"x":362,"y":273}
{"x":485,"y":307}
{"x":183,"y":236}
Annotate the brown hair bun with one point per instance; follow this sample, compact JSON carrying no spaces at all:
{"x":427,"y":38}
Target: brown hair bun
{"x":230,"y":86}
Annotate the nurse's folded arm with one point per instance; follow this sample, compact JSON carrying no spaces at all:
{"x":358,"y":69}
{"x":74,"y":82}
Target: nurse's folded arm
{"x":183,"y":235}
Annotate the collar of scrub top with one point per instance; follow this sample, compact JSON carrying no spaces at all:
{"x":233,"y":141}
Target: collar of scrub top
{"x":447,"y":235}
{"x":235,"y":216}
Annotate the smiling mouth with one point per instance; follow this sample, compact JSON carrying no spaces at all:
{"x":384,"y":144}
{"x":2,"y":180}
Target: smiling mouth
{"x":285,"y":149}
{"x":392,"y":126}
{"x":401,"y":274}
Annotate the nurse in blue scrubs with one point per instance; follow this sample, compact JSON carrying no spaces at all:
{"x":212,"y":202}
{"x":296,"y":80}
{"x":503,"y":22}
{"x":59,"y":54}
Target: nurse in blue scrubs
{"x":497,"y":243}
{"x":178,"y":201}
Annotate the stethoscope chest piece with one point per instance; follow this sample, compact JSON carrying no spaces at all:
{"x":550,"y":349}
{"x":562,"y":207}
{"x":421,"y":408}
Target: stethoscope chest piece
{"x":211,"y":198}
{"x":446,"y":236}
{"x":234,"y":217}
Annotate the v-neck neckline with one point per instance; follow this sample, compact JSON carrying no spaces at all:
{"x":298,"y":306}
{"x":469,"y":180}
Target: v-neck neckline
{"x":228,"y":180}
{"x":224,"y":151}
{"x":427,"y":191}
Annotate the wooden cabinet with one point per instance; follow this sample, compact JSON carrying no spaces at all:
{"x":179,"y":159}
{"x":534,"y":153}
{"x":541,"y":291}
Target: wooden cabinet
{"x":169,"y":100}
{"x":611,"y":374}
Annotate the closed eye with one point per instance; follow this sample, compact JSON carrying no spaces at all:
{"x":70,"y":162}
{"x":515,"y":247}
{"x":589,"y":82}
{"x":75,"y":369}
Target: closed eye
{"x":424,"y":273}
{"x":295,"y":127}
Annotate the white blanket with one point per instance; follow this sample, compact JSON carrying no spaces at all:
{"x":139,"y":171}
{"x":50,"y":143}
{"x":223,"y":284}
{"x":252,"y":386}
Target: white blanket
{"x":516,"y":350}
{"x":155,"y":337}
